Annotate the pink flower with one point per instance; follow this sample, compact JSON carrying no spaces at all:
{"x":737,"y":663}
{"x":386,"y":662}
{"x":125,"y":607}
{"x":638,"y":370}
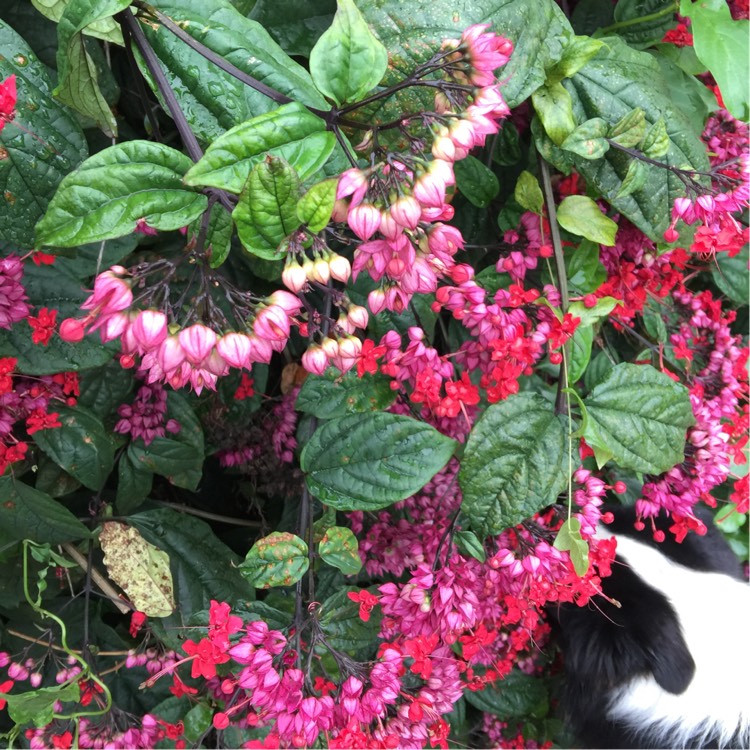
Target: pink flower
{"x":364,"y":220}
{"x":149,"y":329}
{"x":236,"y":349}
{"x":197,"y":341}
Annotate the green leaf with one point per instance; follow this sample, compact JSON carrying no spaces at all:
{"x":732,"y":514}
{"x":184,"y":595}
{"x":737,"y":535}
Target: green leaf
{"x":731,"y":275}
{"x":516,"y":696}
{"x":81,"y":446}
{"x":578,"y":51}
{"x":581,"y":215}
{"x":279,"y":559}
{"x":468,"y":543}
{"x":41,"y":145}
{"x":528,"y":193}
{"x":721,"y":43}
{"x":588,"y":140}
{"x":53,"y":480}
{"x":368,"y":461}
{"x":553,"y":105}
{"x":475,"y":181}
{"x":139,"y":568}
{"x":569,"y":539}
{"x":291,"y":132}
{"x":267,"y":209}
{"x":639,"y":416}
{"x":344,"y":628}
{"x":413,"y":31}
{"x":37,"y":707}
{"x":335,"y":395}
{"x":295,"y":24}
{"x":656,"y":141}
{"x":106,"y":28}
{"x":600,"y":365}
{"x":615,"y":82}
{"x":591,"y":315}
{"x":585,"y":271}
{"x":514,"y":463}
{"x":641,"y":32}
{"x":78,"y":83}
{"x":348,"y":60}
{"x":219,"y":232}
{"x":339,"y":548}
{"x":590,"y":15}
{"x":133,"y":485}
{"x":26,"y":513}
{"x":58,"y":289}
{"x":580,"y":352}
{"x":107,"y":195}
{"x":635,"y":178}
{"x":212,"y":100}
{"x":629,"y":130}
{"x":316,"y":205}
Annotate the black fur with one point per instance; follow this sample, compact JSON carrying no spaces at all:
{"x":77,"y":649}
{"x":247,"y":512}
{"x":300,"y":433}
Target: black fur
{"x":605,"y":646}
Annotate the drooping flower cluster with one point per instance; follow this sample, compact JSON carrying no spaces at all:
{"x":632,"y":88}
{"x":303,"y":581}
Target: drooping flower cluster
{"x":13,"y":300}
{"x":146,"y":417}
{"x":167,"y":353}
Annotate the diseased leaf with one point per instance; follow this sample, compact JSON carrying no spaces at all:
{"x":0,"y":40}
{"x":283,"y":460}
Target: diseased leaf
{"x":638,"y":416}
{"x":588,"y":140}
{"x":139,"y":568}
{"x":514,"y":464}
{"x":279,"y":559}
{"x":368,"y":461}
{"x":339,"y":548}
{"x":108,"y":194}
{"x":335,"y":395}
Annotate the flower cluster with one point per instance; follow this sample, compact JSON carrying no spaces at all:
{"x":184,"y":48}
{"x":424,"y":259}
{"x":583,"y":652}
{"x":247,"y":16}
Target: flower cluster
{"x":13,"y":300}
{"x":165,"y":352}
{"x":146,"y":417}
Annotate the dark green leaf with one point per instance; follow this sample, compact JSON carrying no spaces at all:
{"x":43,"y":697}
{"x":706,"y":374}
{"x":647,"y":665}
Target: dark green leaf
{"x":279,"y":559}
{"x":214,"y":101}
{"x":659,"y":17}
{"x":335,"y":395}
{"x":600,"y":365}
{"x":635,"y":178}
{"x":107,"y":195}
{"x":218,"y":239}
{"x":368,"y":461}
{"x":267,"y":209}
{"x":40,"y":145}
{"x":78,"y":83}
{"x":721,"y":43}
{"x":580,"y":352}
{"x":656,"y":142}
{"x":104,"y":389}
{"x":316,"y":205}
{"x":590,"y":15}
{"x":343,"y":627}
{"x":585,"y":272}
{"x":295,"y":24}
{"x":133,"y":485}
{"x":53,"y":480}
{"x":581,"y":215}
{"x":731,"y":275}
{"x":468,"y":543}
{"x":81,"y":446}
{"x":515,"y":463}
{"x":348,"y":60}
{"x":478,"y":183}
{"x":639,"y":416}
{"x":516,"y":696}
{"x":339,"y":548}
{"x":26,"y":513}
{"x":291,"y":132}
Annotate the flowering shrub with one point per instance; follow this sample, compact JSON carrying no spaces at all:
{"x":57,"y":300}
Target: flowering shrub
{"x":325,"y":336}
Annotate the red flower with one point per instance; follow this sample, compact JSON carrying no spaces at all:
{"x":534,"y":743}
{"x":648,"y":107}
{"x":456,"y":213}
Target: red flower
{"x":366,"y":602}
{"x":179,"y":688}
{"x":43,"y":326}
{"x":43,"y":259}
{"x":206,"y":655}
{"x":8,"y":98}
{"x":245,"y":388}
{"x":39,"y":420}
{"x":367,"y":361}
{"x":62,"y":741}
{"x":137,"y":620}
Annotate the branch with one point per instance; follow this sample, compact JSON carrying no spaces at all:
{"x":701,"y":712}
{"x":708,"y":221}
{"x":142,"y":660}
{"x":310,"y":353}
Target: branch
{"x":106,"y":587}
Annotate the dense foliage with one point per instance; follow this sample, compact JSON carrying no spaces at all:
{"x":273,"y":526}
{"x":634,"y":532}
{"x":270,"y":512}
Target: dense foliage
{"x":326,"y":331}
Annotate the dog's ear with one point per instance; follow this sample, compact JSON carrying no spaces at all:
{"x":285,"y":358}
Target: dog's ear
{"x":667,"y":653}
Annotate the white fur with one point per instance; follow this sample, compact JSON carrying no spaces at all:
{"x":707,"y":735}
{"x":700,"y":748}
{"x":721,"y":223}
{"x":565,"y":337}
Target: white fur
{"x":714,"y":612}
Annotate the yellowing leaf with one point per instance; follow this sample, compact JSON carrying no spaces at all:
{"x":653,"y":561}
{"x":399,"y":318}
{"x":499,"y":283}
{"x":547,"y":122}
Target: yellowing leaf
{"x":139,"y":568}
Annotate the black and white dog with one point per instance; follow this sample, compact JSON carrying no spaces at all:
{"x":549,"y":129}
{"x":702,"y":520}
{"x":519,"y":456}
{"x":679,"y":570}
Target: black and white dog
{"x":670,"y":667}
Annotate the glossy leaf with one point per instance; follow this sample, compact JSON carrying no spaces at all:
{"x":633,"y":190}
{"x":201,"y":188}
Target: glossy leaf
{"x":81,"y":446}
{"x":517,"y":695}
{"x":656,"y":141}
{"x":218,"y":236}
{"x":344,"y":628}
{"x":348,"y":60}
{"x":581,"y":215}
{"x":267,"y":209}
{"x":279,"y":559}
{"x":316,"y":205}
{"x":335,"y":395}
{"x":721,"y":43}
{"x":585,"y":271}
{"x":27,"y":513}
{"x":515,"y":463}
{"x":133,"y":485}
{"x":105,"y":28}
{"x":639,"y":416}
{"x":591,"y":315}
{"x":645,"y":21}
{"x":635,"y":178}
{"x":78,"y":81}
{"x":576,"y":53}
{"x":339,"y":548}
{"x":139,"y":568}
{"x":476,"y":182}
{"x":295,"y":24}
{"x":368,"y":461}
{"x":731,"y":275}
{"x":107,"y":195}
{"x":580,"y":352}
{"x":41,"y":145}
{"x":212,"y":100}
{"x":291,"y":132}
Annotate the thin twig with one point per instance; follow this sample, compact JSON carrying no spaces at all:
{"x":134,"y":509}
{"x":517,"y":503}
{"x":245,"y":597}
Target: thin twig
{"x":107,"y":589}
